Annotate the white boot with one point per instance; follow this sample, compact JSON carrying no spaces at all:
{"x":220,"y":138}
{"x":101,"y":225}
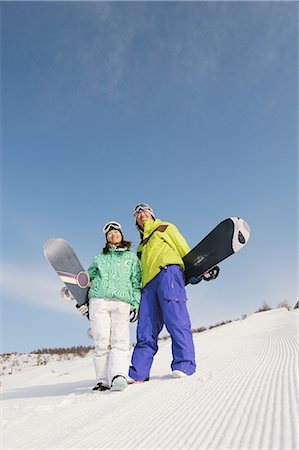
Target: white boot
{"x":119,"y":383}
{"x":178,"y":374}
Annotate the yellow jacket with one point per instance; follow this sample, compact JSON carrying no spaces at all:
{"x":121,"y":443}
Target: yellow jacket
{"x":161,"y":246}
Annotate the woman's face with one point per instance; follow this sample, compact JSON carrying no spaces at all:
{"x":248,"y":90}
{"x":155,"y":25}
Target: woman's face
{"x":114,"y":237}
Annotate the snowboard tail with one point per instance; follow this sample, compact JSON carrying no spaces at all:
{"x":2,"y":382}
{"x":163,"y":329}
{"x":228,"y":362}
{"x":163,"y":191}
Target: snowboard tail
{"x":227,"y":238}
{"x":66,"y":264}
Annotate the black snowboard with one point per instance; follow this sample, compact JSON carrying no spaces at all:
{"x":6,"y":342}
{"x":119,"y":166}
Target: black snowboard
{"x":226,"y":239}
{"x":66,"y":264}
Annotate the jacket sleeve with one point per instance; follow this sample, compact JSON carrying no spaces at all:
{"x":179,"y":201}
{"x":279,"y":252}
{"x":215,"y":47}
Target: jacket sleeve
{"x":93,"y":270}
{"x":175,"y":239}
{"x":139,"y":250}
{"x":136,"y":282}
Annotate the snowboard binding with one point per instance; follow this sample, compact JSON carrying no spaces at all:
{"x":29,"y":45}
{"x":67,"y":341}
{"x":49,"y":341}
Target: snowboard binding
{"x":67,"y":295}
{"x":209,"y":275}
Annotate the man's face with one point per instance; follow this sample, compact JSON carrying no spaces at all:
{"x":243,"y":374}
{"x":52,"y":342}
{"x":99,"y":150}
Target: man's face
{"x":142,"y":217}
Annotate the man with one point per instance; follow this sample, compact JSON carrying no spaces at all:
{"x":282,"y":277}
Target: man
{"x":163,"y":300}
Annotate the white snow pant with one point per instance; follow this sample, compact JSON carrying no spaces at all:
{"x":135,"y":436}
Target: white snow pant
{"x":109,"y":322}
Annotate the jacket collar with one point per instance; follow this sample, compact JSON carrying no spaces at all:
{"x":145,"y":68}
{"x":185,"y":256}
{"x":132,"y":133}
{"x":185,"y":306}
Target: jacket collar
{"x":114,"y":248}
{"x":150,"y":225}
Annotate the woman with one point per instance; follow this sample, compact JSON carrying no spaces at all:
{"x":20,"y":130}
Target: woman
{"x":115,"y":276}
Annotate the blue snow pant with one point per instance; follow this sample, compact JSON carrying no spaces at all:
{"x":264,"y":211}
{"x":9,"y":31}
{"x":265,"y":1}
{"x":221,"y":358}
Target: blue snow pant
{"x":163,"y":301}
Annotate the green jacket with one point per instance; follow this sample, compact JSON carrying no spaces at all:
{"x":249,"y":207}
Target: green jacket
{"x":116,"y":275}
{"x":161,"y":246}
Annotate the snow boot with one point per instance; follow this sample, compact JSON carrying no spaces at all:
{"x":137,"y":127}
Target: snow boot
{"x":119,"y":383}
{"x":100,"y":387}
{"x":131,"y":381}
{"x":178,"y":374}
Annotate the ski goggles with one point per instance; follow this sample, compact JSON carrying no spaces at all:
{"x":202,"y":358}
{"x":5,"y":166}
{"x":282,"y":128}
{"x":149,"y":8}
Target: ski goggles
{"x":112,"y":226}
{"x":142,"y":207}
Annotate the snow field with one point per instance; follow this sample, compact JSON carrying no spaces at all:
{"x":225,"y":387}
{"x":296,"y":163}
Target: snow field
{"x":242,"y":397}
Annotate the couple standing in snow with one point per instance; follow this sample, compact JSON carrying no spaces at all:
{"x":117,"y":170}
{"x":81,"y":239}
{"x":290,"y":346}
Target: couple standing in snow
{"x":115,"y":297}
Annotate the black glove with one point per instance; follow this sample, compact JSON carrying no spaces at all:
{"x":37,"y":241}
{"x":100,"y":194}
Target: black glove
{"x":134,"y":315}
{"x":83,"y":309}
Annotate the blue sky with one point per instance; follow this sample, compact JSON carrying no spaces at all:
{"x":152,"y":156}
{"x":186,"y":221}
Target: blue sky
{"x":191,"y":107}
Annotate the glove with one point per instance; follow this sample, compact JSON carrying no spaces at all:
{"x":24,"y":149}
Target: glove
{"x":134,"y":315}
{"x":83,"y":309}
{"x":65,"y":294}
{"x":195,"y":280}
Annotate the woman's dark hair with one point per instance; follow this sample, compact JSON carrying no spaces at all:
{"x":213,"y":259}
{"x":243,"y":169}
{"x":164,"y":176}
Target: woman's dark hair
{"x":123,"y":244}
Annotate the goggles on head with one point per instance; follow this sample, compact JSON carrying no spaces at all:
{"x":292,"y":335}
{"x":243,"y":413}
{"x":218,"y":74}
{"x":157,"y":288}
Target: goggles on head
{"x":112,"y":225}
{"x":142,"y":207}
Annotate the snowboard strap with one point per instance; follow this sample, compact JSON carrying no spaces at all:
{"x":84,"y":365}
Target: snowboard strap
{"x":160,"y":228}
{"x":211,"y":274}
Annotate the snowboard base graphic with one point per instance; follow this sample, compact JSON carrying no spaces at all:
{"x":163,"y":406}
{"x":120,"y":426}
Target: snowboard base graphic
{"x":227,"y":238}
{"x":66,"y":264}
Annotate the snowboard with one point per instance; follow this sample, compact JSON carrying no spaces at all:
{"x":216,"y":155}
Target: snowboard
{"x":66,"y":264}
{"x":227,"y":238}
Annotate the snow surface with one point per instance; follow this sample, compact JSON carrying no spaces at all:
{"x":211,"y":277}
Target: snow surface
{"x":243,"y":396}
